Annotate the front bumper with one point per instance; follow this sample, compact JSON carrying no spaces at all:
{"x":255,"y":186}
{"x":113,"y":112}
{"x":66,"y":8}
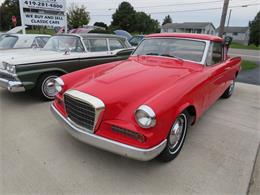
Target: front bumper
{"x":10,"y":82}
{"x":107,"y":144}
{"x":12,"y":86}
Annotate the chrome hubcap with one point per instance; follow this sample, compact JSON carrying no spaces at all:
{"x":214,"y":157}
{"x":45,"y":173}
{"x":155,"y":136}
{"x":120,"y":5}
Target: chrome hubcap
{"x":231,"y":87}
{"x":49,"y":87}
{"x":176,"y":132}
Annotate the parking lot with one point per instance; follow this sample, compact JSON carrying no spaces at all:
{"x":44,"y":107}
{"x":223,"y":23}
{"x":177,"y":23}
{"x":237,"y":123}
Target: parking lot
{"x":39,"y":157}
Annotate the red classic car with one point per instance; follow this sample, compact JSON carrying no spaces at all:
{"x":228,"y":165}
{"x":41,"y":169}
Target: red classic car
{"x":141,"y":107}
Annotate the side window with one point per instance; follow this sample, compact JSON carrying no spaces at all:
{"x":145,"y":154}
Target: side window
{"x":34,"y":44}
{"x":41,"y":41}
{"x":215,"y":55}
{"x":95,"y":45}
{"x":115,"y":44}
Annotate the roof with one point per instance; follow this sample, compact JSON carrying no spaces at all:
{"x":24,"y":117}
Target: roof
{"x":26,"y":35}
{"x":86,"y":35}
{"x":187,"y":25}
{"x":233,"y":29}
{"x":189,"y":36}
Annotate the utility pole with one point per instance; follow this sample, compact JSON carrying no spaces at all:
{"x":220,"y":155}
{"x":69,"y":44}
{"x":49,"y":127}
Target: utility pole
{"x":223,"y":18}
{"x":229,"y":16}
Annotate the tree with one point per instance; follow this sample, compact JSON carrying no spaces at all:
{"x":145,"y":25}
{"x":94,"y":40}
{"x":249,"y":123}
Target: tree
{"x":78,"y":16}
{"x":254,"y":37}
{"x":101,"y":24}
{"x":167,"y":20}
{"x":124,"y":17}
{"x":8,"y":9}
{"x":146,"y":24}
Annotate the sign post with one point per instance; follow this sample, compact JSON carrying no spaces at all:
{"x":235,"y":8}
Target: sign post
{"x":21,"y":14}
{"x":50,"y":13}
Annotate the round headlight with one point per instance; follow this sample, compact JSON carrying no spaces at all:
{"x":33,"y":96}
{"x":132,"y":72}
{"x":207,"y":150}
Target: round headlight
{"x":10,"y":68}
{"x":145,"y":117}
{"x":58,"y":84}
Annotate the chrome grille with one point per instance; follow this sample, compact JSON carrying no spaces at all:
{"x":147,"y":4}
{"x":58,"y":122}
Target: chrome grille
{"x":80,"y":112}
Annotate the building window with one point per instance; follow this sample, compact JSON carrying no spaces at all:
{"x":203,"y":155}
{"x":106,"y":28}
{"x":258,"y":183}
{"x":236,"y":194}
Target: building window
{"x":235,"y":33}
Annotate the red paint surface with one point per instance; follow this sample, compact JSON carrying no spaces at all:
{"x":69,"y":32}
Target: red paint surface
{"x":167,"y":85}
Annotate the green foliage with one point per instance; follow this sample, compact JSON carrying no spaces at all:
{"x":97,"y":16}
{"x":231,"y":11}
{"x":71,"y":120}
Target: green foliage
{"x":8,"y":9}
{"x":255,"y":31}
{"x":126,"y":18}
{"x":101,"y":24}
{"x":247,"y":65}
{"x":78,"y":16}
{"x":167,"y":20}
{"x":240,"y":46}
{"x":145,"y":24}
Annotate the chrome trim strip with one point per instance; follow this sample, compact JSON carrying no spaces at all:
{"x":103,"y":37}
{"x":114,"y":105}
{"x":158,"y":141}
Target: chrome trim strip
{"x":107,"y":144}
{"x":98,"y":104}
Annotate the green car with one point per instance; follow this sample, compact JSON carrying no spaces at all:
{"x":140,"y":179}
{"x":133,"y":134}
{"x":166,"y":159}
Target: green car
{"x":36,"y":69}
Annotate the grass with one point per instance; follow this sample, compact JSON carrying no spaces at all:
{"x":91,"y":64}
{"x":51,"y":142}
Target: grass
{"x":240,"y":46}
{"x":248,"y":65}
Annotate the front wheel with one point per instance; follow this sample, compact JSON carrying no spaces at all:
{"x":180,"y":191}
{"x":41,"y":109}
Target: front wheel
{"x":175,"y":138}
{"x":45,"y":87}
{"x":229,"y":91}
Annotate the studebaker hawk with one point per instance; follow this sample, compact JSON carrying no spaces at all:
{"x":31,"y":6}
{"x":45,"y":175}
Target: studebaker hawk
{"x":141,"y":107}
{"x":37,"y":69}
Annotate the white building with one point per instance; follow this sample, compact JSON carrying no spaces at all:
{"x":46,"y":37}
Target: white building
{"x":239,"y":34}
{"x":189,"y":27}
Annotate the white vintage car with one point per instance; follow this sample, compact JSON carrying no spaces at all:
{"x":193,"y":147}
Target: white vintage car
{"x":21,"y":41}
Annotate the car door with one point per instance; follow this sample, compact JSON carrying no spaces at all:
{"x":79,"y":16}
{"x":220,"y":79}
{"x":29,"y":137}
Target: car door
{"x":216,"y":68}
{"x":97,"y":52}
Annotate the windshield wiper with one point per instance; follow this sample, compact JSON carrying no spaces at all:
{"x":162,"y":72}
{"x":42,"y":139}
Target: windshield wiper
{"x":168,"y":55}
{"x":152,"y":54}
{"x":171,"y":56}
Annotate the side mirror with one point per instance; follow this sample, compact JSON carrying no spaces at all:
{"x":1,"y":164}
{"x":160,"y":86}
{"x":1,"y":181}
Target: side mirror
{"x":227,"y":41}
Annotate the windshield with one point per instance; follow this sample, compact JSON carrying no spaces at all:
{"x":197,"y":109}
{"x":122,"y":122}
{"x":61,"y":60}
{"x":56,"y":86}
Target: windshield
{"x":64,"y":43}
{"x":7,"y":42}
{"x":172,"y":47}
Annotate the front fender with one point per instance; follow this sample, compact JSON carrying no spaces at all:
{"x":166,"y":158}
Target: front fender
{"x":29,"y":78}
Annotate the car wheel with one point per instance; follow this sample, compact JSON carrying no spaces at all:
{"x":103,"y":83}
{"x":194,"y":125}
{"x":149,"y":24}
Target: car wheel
{"x":175,"y":138}
{"x":229,"y":91}
{"x":45,"y":87}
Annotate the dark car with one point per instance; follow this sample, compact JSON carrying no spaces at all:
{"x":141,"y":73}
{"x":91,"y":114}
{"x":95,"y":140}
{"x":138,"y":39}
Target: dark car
{"x":62,"y":54}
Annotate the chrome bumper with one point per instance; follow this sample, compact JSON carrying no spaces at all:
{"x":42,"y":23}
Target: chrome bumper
{"x":12,"y":86}
{"x":107,"y":144}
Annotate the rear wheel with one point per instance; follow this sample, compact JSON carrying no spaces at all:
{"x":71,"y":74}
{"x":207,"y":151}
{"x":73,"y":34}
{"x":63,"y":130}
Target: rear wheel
{"x":229,"y":91}
{"x":175,"y":138}
{"x":45,"y":87}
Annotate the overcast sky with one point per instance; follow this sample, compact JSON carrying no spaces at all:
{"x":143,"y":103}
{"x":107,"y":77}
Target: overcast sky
{"x":101,"y":10}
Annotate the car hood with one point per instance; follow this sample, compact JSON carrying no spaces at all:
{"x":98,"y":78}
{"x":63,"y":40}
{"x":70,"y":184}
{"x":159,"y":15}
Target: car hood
{"x":35,"y":56}
{"x":136,"y":80}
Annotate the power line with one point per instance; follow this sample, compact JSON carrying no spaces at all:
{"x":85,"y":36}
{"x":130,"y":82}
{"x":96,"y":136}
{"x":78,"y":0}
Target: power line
{"x":195,"y":10}
{"x":168,"y":5}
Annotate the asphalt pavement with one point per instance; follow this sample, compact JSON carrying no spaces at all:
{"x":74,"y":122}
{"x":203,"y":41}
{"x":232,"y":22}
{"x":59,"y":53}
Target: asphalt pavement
{"x":39,"y":157}
{"x":251,"y":55}
{"x":248,"y":76}
{"x":251,"y":76}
